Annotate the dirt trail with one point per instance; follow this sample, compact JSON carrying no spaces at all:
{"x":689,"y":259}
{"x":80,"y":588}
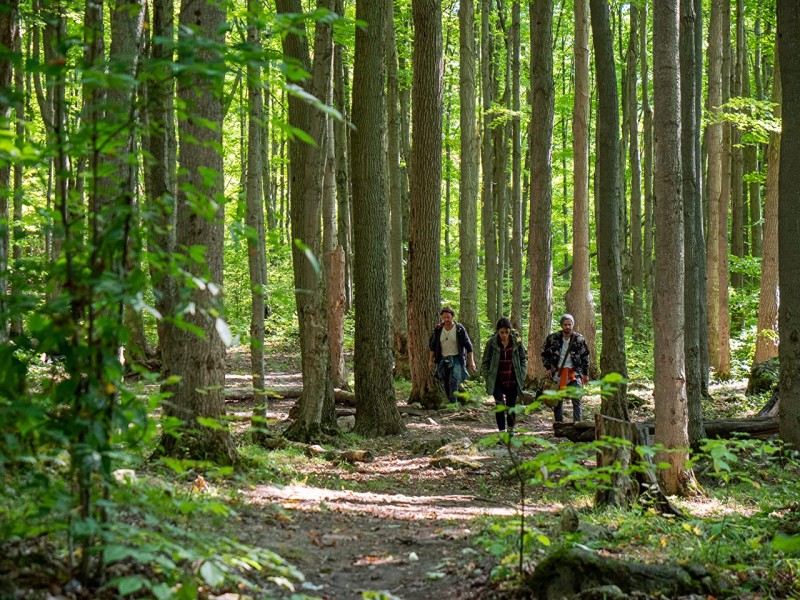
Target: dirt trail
{"x":397,"y":524}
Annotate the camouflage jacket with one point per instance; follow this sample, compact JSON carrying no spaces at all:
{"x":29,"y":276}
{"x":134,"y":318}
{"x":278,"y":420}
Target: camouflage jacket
{"x":579,"y":353}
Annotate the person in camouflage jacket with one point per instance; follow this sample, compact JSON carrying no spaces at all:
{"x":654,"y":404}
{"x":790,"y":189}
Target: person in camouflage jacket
{"x":565,"y":356}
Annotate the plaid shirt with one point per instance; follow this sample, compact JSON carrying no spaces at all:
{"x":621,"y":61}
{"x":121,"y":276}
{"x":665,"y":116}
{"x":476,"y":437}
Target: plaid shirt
{"x":505,"y":368}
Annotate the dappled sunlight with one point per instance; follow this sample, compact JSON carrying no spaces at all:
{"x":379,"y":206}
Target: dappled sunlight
{"x":381,"y":505}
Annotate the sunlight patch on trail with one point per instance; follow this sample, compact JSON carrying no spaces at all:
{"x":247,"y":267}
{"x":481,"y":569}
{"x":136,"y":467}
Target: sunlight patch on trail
{"x":392,"y":506}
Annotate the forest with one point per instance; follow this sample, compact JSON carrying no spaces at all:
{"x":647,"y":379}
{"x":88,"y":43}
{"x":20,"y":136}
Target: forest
{"x":233,"y":237}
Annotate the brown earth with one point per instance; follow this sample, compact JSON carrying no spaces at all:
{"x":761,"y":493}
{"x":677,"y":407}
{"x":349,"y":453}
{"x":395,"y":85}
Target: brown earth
{"x":399,"y":524}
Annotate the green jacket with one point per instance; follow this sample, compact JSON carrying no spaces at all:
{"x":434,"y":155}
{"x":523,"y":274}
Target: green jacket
{"x":491,"y":361}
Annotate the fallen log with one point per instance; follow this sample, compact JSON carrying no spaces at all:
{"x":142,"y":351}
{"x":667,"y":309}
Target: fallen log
{"x":757,"y":427}
{"x":568,"y":572}
{"x":244,"y":394}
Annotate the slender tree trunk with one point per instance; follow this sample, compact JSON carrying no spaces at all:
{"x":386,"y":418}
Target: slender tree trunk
{"x":647,"y":163}
{"x":637,"y":282}
{"x":671,"y":410}
{"x":160,"y":172}
{"x":8,"y":33}
{"x":694,"y":249}
{"x":769,"y":300}
{"x":516,"y":174}
{"x":737,"y":165}
{"x":20,"y":129}
{"x":788,"y":222}
{"x":541,"y":205}
{"x":714,"y":179}
{"x":609,"y":197}
{"x":399,"y":312}
{"x":315,"y":410}
{"x":487,"y":162}
{"x":341,"y":148}
{"x":579,"y":301}
{"x":256,"y":251}
{"x":723,"y":367}
{"x":425,"y":196}
{"x":468,"y":197}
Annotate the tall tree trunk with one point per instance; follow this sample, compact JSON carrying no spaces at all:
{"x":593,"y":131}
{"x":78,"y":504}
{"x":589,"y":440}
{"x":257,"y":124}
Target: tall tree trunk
{"x":612,"y":307}
{"x":200,"y":222}
{"x":671,"y":410}
{"x":516,"y":174}
{"x":15,"y":328}
{"x":647,"y":170}
{"x":487,"y":162}
{"x":714,"y":179}
{"x":377,"y":413}
{"x":723,"y":366}
{"x":399,"y":312}
{"x":579,"y":301}
{"x":468,"y":186}
{"x":541,"y":166}
{"x":694,"y":244}
{"x":341,"y":148}
{"x":425,"y":191}
{"x":768,"y":299}
{"x":160,"y":172}
{"x":256,"y":250}
{"x":8,"y":33}
{"x":637,"y":282}
{"x":737,"y":165}
{"x":788,"y":222}
{"x":315,"y":410}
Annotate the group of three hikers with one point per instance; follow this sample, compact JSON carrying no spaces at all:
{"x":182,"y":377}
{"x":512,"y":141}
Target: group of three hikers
{"x":565,"y":357}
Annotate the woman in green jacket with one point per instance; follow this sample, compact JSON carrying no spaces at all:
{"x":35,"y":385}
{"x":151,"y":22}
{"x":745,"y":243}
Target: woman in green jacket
{"x":503,"y":366}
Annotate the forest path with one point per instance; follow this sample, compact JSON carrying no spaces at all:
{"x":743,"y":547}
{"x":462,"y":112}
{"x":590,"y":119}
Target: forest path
{"x":402,"y":524}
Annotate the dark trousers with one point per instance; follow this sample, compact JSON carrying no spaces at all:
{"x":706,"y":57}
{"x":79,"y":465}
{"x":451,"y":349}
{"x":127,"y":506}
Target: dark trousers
{"x":505,"y":396}
{"x":558,"y":411}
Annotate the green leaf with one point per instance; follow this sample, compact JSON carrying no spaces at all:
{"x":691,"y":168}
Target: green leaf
{"x":543,"y":539}
{"x":113,"y":553}
{"x":131,"y":584}
{"x":786,"y":543}
{"x":212,"y":573}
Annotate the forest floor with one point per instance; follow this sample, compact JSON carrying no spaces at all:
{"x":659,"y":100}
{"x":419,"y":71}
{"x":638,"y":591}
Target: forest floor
{"x":403,"y":523}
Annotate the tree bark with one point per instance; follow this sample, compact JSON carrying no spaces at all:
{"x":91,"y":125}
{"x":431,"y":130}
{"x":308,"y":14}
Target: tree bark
{"x":425,"y":201}
{"x":579,"y":301}
{"x":788,"y":222}
{"x":516,"y":174}
{"x":609,"y":198}
{"x":647,"y":164}
{"x":256,"y":245}
{"x":399,"y":312}
{"x":487,"y":162}
{"x":468,"y":197}
{"x":671,"y":410}
{"x":540,"y":257}
{"x":8,"y":33}
{"x":637,"y":281}
{"x":768,"y":299}
{"x":307,"y":163}
{"x":714,"y":179}
{"x":200,"y":222}
{"x":377,"y":414}
{"x":694,"y":243}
